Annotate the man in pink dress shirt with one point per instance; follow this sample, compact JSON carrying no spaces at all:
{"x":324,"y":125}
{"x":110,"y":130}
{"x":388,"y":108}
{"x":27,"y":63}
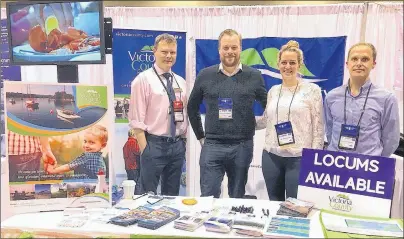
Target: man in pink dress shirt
{"x":158,"y":115}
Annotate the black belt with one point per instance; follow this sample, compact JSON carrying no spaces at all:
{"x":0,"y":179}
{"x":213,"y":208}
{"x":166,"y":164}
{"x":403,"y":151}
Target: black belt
{"x":163,"y":138}
{"x":226,"y":141}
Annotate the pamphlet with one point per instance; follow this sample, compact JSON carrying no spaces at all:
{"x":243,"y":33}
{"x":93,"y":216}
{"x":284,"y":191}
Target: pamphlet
{"x":361,"y":226}
{"x":281,"y":226}
{"x":191,"y":222}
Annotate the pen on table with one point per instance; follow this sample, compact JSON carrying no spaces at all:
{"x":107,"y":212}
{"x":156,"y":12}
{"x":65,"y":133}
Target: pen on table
{"x":61,"y":210}
{"x":144,"y":194}
{"x":152,"y":203}
{"x":122,"y":208}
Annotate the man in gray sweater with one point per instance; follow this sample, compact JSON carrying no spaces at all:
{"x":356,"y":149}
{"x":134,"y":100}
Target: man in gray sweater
{"x":229,"y":90}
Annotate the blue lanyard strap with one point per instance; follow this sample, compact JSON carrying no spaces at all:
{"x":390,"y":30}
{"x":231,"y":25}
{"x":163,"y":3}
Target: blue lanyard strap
{"x":364,"y":105}
{"x":165,"y":85}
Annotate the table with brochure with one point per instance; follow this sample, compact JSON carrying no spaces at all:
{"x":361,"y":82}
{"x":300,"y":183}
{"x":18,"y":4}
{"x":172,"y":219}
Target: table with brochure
{"x":169,"y":216}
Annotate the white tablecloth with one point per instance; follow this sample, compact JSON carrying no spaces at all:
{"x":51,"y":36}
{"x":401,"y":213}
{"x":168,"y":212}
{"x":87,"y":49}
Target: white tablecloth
{"x":47,"y":221}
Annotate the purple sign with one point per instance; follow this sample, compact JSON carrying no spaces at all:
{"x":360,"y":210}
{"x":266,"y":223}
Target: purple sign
{"x":348,"y":172}
{"x":8,"y":72}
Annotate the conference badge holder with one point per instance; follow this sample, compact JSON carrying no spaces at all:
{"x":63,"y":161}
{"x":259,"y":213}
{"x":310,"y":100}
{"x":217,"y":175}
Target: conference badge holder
{"x":284,"y":133}
{"x":225,"y":108}
{"x":348,"y":138}
{"x":178,"y":111}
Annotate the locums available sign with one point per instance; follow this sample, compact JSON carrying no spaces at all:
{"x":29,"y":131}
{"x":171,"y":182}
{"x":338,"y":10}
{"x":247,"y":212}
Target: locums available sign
{"x":348,"y":172}
{"x":351,"y":163}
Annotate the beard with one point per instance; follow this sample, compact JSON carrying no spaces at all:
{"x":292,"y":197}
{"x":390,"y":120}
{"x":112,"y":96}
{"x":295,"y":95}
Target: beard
{"x":230,"y":61}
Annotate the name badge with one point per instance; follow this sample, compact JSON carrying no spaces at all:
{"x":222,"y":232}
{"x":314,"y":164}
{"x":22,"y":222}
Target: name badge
{"x":284,"y":132}
{"x":178,"y":111}
{"x":177,"y":90}
{"x":225,"y":108}
{"x":348,"y":138}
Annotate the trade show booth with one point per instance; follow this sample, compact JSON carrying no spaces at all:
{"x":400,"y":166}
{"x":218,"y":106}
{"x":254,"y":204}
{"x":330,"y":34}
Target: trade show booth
{"x":68,"y":69}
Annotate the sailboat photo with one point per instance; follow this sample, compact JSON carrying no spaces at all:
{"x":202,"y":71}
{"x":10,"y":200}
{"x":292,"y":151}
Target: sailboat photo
{"x":31,"y":101}
{"x":65,"y":113}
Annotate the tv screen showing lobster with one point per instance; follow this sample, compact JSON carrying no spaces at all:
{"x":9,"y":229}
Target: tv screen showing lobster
{"x":56,"y":32}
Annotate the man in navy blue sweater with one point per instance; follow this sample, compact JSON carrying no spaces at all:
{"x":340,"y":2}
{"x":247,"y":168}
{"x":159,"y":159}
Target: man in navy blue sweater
{"x":229,"y":90}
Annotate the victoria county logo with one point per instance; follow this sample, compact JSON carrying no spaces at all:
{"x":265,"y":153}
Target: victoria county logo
{"x":341,"y":203}
{"x":143,"y":59}
{"x":147,"y":48}
{"x":251,"y":57}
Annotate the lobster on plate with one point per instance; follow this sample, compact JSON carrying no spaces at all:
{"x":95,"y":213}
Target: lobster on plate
{"x":73,"y":40}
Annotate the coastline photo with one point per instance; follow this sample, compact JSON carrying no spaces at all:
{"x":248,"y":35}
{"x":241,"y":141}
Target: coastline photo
{"x":52,"y":107}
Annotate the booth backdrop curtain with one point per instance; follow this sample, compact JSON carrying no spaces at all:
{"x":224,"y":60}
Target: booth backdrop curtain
{"x":251,"y":22}
{"x":384,"y":28}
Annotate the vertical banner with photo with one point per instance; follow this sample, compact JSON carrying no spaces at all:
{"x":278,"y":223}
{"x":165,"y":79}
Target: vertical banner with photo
{"x":133,"y":53}
{"x":57,"y":145}
{"x":8,"y":72}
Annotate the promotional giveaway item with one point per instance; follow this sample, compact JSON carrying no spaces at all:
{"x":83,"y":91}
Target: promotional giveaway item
{"x":295,"y":208}
{"x":287,"y":227}
{"x":191,"y":222}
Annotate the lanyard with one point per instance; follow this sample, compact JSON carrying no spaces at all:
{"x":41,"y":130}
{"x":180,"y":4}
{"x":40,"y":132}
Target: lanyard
{"x":165,"y":87}
{"x":279,"y":97}
{"x":363,"y":110}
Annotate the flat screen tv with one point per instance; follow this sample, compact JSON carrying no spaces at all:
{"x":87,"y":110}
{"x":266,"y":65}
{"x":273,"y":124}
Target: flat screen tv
{"x":56,"y":32}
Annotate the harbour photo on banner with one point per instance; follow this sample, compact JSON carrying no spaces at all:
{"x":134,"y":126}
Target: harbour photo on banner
{"x":132,"y":54}
{"x":57,"y":145}
{"x":324,"y":62}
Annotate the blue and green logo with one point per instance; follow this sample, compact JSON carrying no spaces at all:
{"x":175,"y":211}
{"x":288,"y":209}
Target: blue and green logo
{"x":341,"y":202}
{"x":252,"y":57}
{"x":147,"y":48}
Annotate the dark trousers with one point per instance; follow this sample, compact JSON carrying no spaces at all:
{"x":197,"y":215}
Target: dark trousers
{"x":161,"y":158}
{"x":280,"y":174}
{"x":220,"y":157}
{"x":133,"y":174}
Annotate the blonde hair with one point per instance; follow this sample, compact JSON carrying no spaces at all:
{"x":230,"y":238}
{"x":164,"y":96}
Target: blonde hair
{"x":164,"y":37}
{"x":100,"y":132}
{"x":229,"y":32}
{"x":370,"y":45}
{"x":292,"y":46}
